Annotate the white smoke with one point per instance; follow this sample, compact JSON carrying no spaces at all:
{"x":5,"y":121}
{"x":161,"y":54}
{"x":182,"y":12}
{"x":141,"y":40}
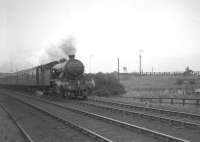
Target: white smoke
{"x":53,"y":52}
{"x":68,"y":46}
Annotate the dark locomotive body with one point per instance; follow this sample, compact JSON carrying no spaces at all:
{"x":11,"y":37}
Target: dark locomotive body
{"x":61,"y":78}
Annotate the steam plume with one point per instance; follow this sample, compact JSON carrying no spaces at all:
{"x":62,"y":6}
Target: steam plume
{"x":68,"y":46}
{"x":55,"y":51}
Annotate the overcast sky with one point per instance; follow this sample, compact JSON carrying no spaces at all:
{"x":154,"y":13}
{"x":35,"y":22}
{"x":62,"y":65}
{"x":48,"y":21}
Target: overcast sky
{"x":168,"y":32}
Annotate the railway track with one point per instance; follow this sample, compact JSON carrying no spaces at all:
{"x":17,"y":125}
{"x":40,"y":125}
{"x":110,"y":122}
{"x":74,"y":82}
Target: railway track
{"x":193,"y":118}
{"x":153,"y":123}
{"x":112,"y":129}
{"x":68,"y":129}
{"x":131,"y":110}
{"x":26,"y":136}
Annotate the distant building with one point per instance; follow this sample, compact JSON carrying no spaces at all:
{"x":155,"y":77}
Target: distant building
{"x":125,"y":69}
{"x":188,"y":71}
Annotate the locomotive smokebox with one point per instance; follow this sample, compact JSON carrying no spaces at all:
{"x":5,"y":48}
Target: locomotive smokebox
{"x":73,"y":68}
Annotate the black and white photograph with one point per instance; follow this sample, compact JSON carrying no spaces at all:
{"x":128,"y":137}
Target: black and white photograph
{"x":99,"y":71}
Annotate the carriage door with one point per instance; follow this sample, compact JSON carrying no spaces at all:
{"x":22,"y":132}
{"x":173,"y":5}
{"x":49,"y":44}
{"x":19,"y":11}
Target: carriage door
{"x":37,"y":76}
{"x":42,"y":75}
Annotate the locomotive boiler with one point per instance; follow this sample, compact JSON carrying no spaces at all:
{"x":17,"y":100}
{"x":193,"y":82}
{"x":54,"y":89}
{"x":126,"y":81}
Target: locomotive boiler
{"x":68,"y":78}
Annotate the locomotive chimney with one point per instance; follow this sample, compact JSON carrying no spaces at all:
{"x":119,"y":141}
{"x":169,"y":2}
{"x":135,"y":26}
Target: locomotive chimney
{"x":71,"y":56}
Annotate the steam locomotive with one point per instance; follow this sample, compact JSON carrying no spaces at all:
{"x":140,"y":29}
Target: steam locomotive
{"x":64,"y":78}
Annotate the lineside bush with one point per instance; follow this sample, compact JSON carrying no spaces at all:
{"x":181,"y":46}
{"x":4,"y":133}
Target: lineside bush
{"x":106,"y":84}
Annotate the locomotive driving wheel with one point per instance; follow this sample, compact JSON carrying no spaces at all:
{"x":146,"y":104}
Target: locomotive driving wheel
{"x":62,"y":91}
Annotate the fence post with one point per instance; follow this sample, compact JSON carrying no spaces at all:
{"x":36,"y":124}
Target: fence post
{"x":183,"y":101}
{"x":160,"y":100}
{"x":197,"y":102}
{"x":172,"y":100}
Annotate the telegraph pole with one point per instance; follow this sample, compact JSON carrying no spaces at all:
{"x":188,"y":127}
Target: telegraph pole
{"x":11,"y":66}
{"x":140,"y":61}
{"x":118,"y":69}
{"x":90,"y":63}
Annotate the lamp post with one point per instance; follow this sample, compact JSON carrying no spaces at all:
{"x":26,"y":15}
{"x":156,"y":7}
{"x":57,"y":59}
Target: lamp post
{"x":90,"y":63}
{"x":118,"y":69}
{"x":140,"y":61}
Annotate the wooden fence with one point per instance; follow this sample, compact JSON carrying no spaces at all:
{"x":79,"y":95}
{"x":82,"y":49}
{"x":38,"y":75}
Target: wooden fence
{"x":195,"y":73}
{"x":182,"y":101}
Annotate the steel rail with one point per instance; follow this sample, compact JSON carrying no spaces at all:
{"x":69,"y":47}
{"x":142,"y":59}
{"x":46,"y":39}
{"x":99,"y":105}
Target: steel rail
{"x":135,"y":128}
{"x":67,"y":122}
{"x":143,"y":115}
{"x":152,"y":109}
{"x":26,"y":136}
